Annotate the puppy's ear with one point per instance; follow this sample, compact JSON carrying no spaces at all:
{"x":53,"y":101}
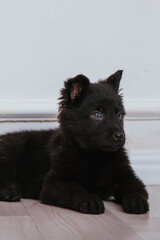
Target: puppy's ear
{"x":114,"y":80}
{"x":76,"y":87}
{"x":73,"y":91}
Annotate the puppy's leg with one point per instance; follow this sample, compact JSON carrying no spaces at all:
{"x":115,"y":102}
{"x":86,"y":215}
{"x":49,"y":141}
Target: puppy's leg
{"x":8,"y":189}
{"x":71,"y":195}
{"x":130,"y":192}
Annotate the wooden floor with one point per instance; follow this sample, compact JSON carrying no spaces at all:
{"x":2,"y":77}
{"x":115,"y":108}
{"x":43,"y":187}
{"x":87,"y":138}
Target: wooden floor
{"x":31,"y":220}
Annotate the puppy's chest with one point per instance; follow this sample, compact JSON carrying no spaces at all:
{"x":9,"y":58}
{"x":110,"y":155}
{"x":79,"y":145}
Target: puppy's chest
{"x":93,"y":170}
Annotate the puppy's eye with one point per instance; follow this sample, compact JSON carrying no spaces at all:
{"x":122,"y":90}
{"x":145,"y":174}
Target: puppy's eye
{"x":119,"y":114}
{"x":97,"y":115}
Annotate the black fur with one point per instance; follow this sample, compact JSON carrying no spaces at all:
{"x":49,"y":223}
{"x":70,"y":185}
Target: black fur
{"x":80,"y":163}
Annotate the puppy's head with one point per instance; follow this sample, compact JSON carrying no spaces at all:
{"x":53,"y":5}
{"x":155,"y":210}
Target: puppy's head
{"x":92,"y":113}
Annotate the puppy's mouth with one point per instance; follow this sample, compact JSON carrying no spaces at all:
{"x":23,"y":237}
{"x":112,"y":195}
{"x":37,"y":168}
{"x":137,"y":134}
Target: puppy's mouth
{"x":109,"y":148}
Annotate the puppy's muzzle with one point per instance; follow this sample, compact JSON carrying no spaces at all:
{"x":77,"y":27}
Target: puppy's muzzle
{"x":118,"y":136}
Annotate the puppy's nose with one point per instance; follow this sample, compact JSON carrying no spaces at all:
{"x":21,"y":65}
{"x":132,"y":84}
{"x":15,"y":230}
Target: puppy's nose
{"x":118,"y":136}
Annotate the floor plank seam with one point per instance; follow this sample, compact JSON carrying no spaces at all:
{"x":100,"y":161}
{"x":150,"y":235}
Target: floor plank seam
{"x":123,"y":222}
{"x":33,"y":221}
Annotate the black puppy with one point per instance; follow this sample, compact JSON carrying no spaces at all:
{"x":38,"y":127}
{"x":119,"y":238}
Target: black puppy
{"x":83,"y":161}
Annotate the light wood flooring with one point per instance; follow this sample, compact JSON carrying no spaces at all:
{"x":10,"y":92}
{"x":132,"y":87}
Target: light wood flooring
{"x":31,"y":220}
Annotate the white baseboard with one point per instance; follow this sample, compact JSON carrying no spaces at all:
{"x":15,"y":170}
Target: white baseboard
{"x":137,"y":109}
{"x":28,"y":108}
{"x":146,"y":164}
{"x":142,"y":109}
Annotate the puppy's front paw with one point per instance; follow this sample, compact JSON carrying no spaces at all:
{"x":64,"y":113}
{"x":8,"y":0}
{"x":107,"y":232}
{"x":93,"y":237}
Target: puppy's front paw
{"x":10,"y":193}
{"x":135,"y":205}
{"x":91,"y":205}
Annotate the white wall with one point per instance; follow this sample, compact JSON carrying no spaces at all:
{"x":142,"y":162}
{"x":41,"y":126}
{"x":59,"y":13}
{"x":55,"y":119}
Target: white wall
{"x":43,"y":42}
